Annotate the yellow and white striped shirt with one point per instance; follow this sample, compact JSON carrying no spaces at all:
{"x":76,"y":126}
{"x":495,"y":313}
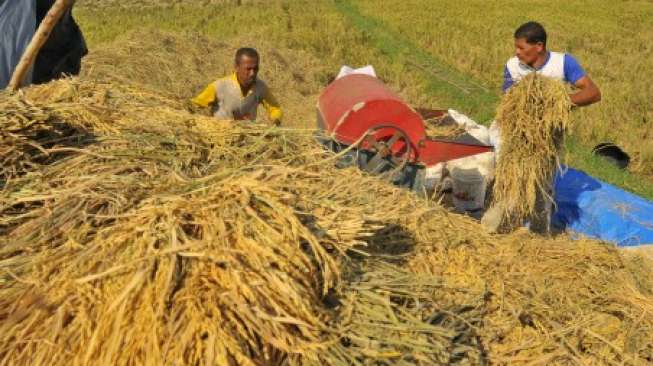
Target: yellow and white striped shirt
{"x":228,"y":102}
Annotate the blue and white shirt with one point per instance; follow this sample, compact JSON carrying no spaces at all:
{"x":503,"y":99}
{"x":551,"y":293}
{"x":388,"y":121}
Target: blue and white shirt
{"x":559,"y":66}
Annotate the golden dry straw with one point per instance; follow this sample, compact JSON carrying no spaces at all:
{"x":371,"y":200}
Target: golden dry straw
{"x":170,"y":238}
{"x":443,"y":127}
{"x":553,"y":301}
{"x":533,"y":117}
{"x":124,"y":252}
{"x":169,"y":226}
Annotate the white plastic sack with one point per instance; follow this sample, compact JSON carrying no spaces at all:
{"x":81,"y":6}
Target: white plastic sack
{"x":495,"y":137}
{"x":365,"y":70}
{"x":478,"y":131}
{"x":433,"y":176}
{"x":481,"y":164}
{"x":484,"y":162}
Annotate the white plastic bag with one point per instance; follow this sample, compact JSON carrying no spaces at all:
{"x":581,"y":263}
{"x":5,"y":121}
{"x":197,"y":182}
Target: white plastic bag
{"x":478,"y":131}
{"x":495,"y":137}
{"x":365,"y":70}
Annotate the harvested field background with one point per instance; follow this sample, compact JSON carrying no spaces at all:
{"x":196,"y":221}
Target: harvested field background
{"x":179,"y":66}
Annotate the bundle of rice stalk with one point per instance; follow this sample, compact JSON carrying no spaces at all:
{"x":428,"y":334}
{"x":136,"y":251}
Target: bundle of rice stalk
{"x":140,"y":138}
{"x":443,"y":127}
{"x":580,"y":302}
{"x":83,"y":217}
{"x":553,"y":301}
{"x":48,"y":122}
{"x":85,"y":185}
{"x":45,"y":123}
{"x":191,"y":277}
{"x":30,"y":136}
{"x":110,"y":108}
{"x":94,"y":103}
{"x":111,"y":176}
{"x":533,"y":117}
{"x":388,"y":316}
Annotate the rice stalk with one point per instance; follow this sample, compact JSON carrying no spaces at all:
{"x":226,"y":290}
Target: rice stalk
{"x":533,"y":117}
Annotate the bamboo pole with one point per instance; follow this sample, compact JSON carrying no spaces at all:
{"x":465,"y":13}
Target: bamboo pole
{"x":40,"y":37}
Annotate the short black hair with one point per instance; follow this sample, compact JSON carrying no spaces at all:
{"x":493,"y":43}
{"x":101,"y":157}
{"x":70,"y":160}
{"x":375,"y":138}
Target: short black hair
{"x":533,"y":32}
{"x":246,"y":51}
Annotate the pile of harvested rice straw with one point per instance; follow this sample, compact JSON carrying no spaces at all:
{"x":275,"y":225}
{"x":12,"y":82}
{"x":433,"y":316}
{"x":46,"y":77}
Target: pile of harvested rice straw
{"x":533,"y":117}
{"x":171,"y":238}
{"x":150,"y":235}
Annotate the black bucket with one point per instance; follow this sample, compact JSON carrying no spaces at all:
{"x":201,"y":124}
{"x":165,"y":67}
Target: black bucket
{"x":612,"y":153}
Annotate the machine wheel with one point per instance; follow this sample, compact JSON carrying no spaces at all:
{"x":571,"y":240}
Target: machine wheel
{"x":389,"y":148}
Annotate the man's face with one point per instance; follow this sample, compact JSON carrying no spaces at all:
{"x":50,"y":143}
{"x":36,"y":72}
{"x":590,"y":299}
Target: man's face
{"x":246,"y":70}
{"x":526,"y":52}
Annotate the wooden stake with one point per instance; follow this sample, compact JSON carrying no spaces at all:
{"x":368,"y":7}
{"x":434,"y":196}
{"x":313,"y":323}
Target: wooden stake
{"x":42,"y":34}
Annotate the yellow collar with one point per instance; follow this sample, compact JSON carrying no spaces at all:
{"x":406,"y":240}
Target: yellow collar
{"x":234,"y":77}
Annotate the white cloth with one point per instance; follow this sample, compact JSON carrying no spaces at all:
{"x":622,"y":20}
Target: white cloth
{"x":483,"y":163}
{"x":554,"y":67}
{"x":495,"y":137}
{"x":365,"y":70}
{"x":231,"y":104}
{"x":478,"y":131}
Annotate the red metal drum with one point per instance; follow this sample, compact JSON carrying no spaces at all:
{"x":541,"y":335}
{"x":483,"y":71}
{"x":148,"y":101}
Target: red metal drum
{"x":360,"y":109}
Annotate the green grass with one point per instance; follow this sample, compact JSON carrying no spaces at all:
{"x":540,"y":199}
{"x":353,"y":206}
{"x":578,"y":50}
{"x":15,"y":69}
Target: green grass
{"x":580,"y":157}
{"x":444,"y":83}
{"x":342,"y":32}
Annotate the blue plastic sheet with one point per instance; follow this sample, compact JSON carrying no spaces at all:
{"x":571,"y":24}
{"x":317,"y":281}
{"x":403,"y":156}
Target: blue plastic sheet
{"x":595,"y":209}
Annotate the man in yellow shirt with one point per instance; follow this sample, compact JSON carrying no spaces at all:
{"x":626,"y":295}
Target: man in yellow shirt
{"x":238,"y":95}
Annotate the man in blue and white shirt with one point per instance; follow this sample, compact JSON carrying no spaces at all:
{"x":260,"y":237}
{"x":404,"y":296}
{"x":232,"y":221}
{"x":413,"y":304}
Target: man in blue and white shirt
{"x":531,"y":55}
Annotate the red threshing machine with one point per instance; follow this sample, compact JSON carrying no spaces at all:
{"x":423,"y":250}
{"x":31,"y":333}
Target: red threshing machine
{"x":360,"y":112}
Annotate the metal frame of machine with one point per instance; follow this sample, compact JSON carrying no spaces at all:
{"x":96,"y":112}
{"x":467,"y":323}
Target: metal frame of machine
{"x":360,"y":111}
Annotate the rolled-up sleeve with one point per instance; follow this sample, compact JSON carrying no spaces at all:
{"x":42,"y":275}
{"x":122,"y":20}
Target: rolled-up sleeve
{"x":572,"y":69}
{"x":507,"y":79}
{"x":206,"y":97}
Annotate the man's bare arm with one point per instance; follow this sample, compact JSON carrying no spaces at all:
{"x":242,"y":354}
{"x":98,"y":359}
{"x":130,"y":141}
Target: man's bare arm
{"x":588,"y":94}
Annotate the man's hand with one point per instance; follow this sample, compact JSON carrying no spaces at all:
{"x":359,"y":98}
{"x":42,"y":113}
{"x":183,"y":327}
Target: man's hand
{"x":192,"y":107}
{"x":196,"y":109}
{"x":588,"y":94}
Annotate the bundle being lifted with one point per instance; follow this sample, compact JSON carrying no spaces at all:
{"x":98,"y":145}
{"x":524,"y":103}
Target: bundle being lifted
{"x":533,"y":117}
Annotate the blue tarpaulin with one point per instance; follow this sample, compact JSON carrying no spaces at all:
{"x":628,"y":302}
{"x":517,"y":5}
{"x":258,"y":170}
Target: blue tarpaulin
{"x":595,"y":209}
